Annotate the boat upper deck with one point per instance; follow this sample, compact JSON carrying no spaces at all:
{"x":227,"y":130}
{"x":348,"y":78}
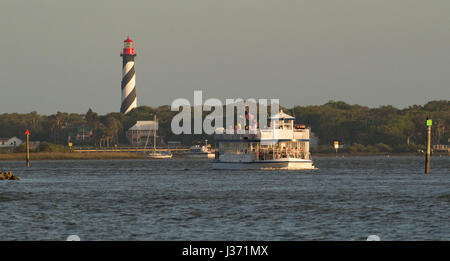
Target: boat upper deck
{"x":281,"y":128}
{"x":267,"y":134}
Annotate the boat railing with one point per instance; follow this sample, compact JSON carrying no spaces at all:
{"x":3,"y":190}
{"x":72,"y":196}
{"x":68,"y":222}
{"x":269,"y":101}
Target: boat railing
{"x":264,"y":134}
{"x":270,"y":154}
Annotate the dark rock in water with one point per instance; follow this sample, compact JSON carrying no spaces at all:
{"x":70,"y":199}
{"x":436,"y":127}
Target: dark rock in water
{"x":7,"y":176}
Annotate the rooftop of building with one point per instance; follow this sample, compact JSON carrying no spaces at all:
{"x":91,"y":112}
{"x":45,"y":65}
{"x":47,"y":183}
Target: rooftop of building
{"x":282,"y":116}
{"x":145,"y":125}
{"x":6,"y":139}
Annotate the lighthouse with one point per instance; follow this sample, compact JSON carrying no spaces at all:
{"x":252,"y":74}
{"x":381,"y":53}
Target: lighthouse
{"x":129,"y":99}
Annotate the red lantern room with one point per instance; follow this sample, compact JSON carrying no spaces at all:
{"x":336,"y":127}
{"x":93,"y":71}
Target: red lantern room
{"x":128,"y":46}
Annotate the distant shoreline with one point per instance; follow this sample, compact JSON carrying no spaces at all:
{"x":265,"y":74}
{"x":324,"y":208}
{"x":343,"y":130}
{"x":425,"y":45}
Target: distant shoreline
{"x":368,"y":154}
{"x":71,"y":156}
{"x":363,"y":154}
{"x":128,"y":155}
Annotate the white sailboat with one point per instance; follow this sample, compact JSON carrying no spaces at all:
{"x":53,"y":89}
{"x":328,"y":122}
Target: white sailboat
{"x":154,"y":154}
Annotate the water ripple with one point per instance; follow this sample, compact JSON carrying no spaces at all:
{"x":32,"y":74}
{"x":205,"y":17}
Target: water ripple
{"x":345,"y":199}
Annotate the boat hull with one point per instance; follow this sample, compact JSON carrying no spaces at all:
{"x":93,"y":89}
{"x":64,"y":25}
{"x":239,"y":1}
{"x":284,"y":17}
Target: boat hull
{"x":258,"y":165}
{"x":199,"y":155}
{"x":160,"y":156}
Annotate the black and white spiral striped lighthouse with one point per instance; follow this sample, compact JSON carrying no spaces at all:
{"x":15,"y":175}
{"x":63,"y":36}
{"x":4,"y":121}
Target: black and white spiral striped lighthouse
{"x":129,"y":98}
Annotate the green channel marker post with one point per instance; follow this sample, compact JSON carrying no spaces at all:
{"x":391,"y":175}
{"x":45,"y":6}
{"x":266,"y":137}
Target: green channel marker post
{"x":427,"y":157}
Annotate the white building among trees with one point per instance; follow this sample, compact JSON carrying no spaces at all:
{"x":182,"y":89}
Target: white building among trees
{"x":10,"y":142}
{"x":141,"y":132}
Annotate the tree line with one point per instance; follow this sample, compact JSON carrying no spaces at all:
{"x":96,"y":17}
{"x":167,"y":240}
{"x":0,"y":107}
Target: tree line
{"x":360,"y":128}
{"x":385,"y":128}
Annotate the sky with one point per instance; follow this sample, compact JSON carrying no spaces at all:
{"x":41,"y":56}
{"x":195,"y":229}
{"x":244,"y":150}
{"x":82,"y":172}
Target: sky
{"x":60,"y":55}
